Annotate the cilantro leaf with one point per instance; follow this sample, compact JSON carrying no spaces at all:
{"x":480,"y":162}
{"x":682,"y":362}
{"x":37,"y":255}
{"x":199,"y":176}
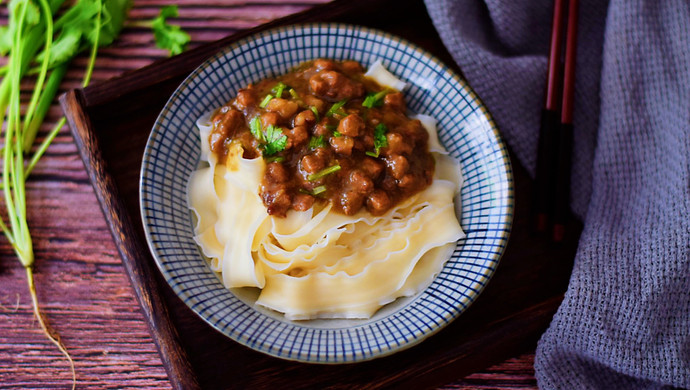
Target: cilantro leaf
{"x":317,"y":142}
{"x":114,"y":15}
{"x":77,"y":27}
{"x":374,"y":99}
{"x":169,"y":36}
{"x":255,"y":128}
{"x":275,"y":140}
{"x":380,"y":140}
{"x":5,"y":39}
{"x":65,"y":47}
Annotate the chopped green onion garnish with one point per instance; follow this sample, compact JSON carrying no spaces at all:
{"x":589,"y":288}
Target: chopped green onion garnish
{"x":331,"y":127}
{"x":294,"y":93}
{"x":277,"y":159}
{"x":336,"y":108}
{"x":318,"y":190}
{"x":255,"y":128}
{"x":380,"y":140}
{"x":374,"y":99}
{"x":317,"y":142}
{"x":323,"y":172}
{"x":337,"y":134}
{"x":315,"y":111}
{"x":278,"y":89}
{"x":267,"y":99}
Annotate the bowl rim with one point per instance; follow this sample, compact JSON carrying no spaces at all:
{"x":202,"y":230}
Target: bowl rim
{"x":506,"y":220}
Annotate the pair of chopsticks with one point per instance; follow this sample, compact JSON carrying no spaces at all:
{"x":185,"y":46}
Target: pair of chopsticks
{"x":552,"y":185}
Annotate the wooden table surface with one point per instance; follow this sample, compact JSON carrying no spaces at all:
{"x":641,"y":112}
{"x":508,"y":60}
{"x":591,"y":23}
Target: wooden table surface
{"x":83,"y":289}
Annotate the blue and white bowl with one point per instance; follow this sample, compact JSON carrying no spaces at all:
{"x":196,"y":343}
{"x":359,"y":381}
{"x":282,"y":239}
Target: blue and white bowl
{"x":465,"y":128}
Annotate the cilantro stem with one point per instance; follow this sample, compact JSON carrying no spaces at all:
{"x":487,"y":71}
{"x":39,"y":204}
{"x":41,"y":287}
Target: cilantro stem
{"x":44,"y":65}
{"x":324,"y":172}
{"x":318,"y":190}
{"x":44,"y":145}
{"x":94,"y":47}
{"x":267,"y":99}
{"x":8,"y":176}
{"x":336,"y":108}
{"x":43,"y":106}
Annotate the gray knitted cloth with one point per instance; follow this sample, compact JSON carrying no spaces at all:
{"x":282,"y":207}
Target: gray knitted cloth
{"x":625,"y":320}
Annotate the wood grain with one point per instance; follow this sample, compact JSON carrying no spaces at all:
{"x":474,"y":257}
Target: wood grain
{"x":83,"y":288}
{"x":81,"y":281}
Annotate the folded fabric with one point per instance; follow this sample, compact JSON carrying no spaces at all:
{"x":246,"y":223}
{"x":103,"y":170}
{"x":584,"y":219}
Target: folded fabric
{"x":625,"y":319}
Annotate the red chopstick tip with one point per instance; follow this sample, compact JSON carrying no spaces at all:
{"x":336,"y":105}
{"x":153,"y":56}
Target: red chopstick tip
{"x":558,"y":233}
{"x":542,"y":222}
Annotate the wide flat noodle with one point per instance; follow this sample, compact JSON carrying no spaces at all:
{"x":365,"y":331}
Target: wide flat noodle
{"x":320,"y":263}
{"x":382,"y":76}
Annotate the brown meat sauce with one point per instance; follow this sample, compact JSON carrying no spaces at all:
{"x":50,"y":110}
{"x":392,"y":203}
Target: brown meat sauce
{"x":365,"y":178}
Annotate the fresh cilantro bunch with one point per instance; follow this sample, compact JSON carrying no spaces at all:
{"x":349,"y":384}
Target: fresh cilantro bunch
{"x":36,"y":42}
{"x":40,"y":39}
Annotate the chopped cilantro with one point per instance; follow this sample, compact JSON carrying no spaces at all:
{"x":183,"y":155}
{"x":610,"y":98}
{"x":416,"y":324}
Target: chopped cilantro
{"x":278,"y":89}
{"x":274,"y":159}
{"x":315,"y":111}
{"x":324,"y":172}
{"x":275,"y":140}
{"x":316,"y":191}
{"x":380,"y":140}
{"x":336,"y":108}
{"x":255,"y":128}
{"x":317,"y":142}
{"x":267,"y":99}
{"x":272,"y":140}
{"x":374,"y":99}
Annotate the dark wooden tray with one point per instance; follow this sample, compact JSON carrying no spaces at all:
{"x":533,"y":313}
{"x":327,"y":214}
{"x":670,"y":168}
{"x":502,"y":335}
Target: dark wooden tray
{"x":111,"y":122}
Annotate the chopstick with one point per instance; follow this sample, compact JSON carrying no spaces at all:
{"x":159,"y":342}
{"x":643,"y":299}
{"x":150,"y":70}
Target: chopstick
{"x":552,"y":184}
{"x":565,"y":136}
{"x":543,"y":195}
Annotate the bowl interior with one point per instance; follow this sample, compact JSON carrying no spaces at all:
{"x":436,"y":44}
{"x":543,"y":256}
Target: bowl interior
{"x":465,"y":128}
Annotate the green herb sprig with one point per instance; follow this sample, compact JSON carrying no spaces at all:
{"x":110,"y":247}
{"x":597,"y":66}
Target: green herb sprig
{"x":167,"y":36}
{"x":37,"y":41}
{"x":380,"y":140}
{"x":271,"y":139}
{"x":375,"y":99}
{"x":276,"y":141}
{"x":317,"y":142}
